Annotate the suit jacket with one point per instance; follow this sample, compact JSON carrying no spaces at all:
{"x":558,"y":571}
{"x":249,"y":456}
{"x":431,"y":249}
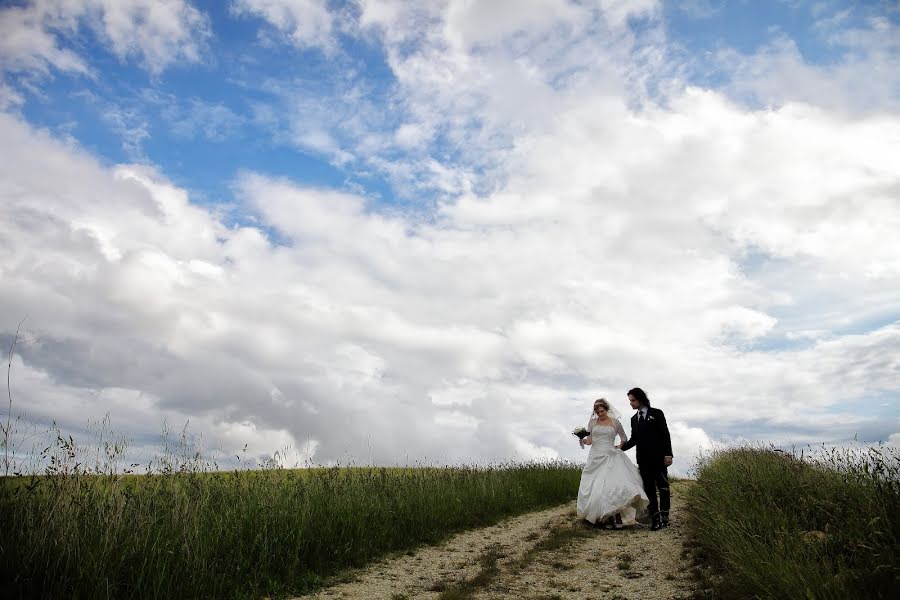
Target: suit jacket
{"x":651,"y":438}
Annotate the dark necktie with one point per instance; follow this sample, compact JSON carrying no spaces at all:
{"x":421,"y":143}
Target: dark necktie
{"x":641,"y":418}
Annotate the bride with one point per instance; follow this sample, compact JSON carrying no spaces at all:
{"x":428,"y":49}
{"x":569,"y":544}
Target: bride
{"x":611,"y":489}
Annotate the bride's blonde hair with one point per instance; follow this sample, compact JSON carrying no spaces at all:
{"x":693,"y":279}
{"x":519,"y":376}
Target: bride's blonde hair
{"x":601,"y":402}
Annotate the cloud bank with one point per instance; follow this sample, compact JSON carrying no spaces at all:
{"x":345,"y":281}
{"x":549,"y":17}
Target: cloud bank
{"x":580,"y":219}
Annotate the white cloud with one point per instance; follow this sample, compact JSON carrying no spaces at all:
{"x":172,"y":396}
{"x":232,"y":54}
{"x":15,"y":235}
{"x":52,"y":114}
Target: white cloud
{"x":862,"y":81}
{"x":449,"y":59}
{"x":132,"y":128}
{"x":687,"y":445}
{"x":618,"y":12}
{"x":469,"y":23}
{"x":212,"y":121}
{"x":455,"y":339}
{"x":699,"y":9}
{"x":587,"y":237}
{"x":156,"y":34}
{"x":9,"y":97}
{"x":138,"y":417}
{"x":307,"y":23}
{"x":28,"y":43}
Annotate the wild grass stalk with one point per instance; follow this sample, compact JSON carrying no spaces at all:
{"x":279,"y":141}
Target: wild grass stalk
{"x":812,"y":525}
{"x":188,"y":530}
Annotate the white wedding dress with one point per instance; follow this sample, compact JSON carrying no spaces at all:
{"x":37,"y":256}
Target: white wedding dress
{"x":610,"y":482}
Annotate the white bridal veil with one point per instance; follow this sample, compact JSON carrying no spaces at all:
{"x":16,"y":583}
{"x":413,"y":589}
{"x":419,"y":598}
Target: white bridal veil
{"x":612,"y":412}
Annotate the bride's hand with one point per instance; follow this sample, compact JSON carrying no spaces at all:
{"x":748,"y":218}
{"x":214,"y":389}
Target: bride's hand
{"x":619,"y":446}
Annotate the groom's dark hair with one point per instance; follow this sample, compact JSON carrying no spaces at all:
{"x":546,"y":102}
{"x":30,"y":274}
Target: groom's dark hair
{"x":641,"y":396}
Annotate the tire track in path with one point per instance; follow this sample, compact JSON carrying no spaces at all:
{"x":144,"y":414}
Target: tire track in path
{"x":543,"y":555}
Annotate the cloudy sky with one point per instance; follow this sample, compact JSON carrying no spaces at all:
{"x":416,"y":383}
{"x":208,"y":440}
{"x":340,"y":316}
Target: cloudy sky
{"x":405,"y":232}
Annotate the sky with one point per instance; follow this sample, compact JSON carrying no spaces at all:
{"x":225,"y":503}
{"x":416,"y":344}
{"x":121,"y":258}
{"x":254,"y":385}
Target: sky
{"x":393,"y":232}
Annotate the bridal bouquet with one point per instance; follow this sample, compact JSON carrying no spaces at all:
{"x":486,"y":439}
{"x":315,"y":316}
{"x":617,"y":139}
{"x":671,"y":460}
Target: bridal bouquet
{"x":580,"y":433}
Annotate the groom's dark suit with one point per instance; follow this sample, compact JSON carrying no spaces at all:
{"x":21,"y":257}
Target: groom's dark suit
{"x":651,"y":436}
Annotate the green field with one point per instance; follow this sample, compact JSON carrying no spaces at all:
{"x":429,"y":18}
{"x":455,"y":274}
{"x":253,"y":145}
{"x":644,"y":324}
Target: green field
{"x":246,"y":534}
{"x":769,"y":524}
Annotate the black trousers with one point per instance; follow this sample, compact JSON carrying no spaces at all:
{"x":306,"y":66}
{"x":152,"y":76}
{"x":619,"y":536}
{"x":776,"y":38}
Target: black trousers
{"x":657,"y":478}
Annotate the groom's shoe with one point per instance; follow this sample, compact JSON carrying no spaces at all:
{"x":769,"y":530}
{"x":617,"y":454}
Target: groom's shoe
{"x":657,"y":524}
{"x":664,"y":521}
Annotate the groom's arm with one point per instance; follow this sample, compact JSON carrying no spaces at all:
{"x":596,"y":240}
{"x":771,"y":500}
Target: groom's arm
{"x":666,"y":438}
{"x":629,"y":443}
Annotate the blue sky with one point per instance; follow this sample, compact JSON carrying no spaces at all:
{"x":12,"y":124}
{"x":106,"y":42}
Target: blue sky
{"x":168,"y":118}
{"x":474,"y":215}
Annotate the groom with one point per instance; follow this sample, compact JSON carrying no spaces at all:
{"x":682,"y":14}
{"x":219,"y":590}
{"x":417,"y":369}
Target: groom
{"x":654,"y":454}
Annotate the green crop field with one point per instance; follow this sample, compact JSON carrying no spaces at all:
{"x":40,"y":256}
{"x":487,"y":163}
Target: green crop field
{"x":197,"y":532}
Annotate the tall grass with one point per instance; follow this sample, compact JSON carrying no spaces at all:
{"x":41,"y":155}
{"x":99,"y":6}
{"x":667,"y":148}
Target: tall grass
{"x":824,"y":525}
{"x":186,"y":530}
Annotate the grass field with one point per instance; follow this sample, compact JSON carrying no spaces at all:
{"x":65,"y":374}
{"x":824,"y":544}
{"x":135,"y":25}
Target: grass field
{"x":194,"y":532}
{"x":769,"y":524}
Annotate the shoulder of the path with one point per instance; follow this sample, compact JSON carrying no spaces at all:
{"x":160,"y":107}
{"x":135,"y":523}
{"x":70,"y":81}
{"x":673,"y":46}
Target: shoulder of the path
{"x":548,"y":554}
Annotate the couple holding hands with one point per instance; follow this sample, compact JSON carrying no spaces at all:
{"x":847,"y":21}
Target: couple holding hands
{"x":612,"y":488}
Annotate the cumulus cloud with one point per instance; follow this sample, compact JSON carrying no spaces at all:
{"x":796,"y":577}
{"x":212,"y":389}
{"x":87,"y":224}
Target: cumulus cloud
{"x":735,"y":259}
{"x":473,"y":330}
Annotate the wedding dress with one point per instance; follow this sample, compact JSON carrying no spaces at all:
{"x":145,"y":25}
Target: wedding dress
{"x":610,"y":482}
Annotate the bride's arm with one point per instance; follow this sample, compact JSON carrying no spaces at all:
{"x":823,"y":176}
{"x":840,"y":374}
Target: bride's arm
{"x":591,"y":422}
{"x":621,"y":431}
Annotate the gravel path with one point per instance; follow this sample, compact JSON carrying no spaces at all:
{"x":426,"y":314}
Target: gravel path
{"x":545,"y":555}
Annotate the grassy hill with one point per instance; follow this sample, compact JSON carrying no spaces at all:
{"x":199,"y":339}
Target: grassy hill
{"x":769,"y":524}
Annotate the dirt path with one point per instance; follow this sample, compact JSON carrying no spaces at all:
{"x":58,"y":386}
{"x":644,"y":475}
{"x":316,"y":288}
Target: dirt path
{"x":545,"y":555}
